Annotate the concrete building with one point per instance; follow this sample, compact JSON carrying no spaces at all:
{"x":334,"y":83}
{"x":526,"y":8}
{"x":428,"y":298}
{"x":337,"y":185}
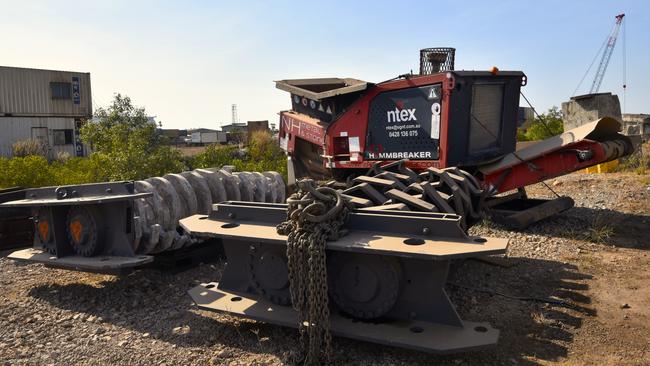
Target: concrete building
{"x":586,"y":108}
{"x":47,"y":105}
{"x":637,"y":124}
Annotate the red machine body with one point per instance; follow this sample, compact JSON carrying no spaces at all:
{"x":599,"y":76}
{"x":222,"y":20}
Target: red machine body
{"x":464,"y":119}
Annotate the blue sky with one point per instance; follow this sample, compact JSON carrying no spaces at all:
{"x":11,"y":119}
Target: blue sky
{"x":187,"y":62}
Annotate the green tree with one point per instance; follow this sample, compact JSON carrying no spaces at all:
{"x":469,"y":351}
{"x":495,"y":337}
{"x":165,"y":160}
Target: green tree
{"x":126,"y":145}
{"x":546,"y":125}
{"x":263,"y":153}
{"x":215,"y":155}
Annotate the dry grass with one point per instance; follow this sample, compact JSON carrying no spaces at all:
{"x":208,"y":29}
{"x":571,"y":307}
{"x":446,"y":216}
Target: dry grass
{"x":29,"y":147}
{"x":188,"y":151}
{"x":599,"y":233}
{"x":638,"y":162}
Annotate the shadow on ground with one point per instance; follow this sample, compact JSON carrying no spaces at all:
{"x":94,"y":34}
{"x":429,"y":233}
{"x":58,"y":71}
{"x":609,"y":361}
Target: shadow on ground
{"x":156,"y":303}
{"x":603,"y":226}
{"x":531,"y":331}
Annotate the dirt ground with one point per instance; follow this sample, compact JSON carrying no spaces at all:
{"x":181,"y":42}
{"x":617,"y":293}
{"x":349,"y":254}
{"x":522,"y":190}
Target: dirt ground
{"x":592,"y":262}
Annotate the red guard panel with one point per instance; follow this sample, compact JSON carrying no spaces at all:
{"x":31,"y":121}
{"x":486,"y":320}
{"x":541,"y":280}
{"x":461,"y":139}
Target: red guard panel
{"x":353,"y":125}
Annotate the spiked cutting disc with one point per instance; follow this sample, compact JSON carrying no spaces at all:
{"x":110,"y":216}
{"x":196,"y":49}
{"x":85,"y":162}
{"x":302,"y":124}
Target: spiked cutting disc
{"x":171,"y":200}
{"x":216,"y":185}
{"x":201,"y":190}
{"x":246,"y":186}
{"x":231,"y":184}
{"x":185,"y":192}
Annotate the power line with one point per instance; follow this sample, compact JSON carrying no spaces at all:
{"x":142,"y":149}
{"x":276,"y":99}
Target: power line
{"x":590,"y":66}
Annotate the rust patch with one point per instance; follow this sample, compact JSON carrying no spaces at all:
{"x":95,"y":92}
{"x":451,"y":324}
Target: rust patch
{"x":44,"y":229}
{"x":76,"y":229}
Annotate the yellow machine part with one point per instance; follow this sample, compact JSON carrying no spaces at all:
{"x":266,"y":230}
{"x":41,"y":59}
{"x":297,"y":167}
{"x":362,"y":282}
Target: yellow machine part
{"x":607,"y":167}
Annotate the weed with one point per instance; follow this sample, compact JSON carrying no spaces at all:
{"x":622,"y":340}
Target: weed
{"x":29,"y":147}
{"x":638,"y":162}
{"x":598,"y":231}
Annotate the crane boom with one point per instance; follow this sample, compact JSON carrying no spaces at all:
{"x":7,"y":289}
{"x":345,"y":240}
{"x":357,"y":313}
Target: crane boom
{"x":607,"y":54}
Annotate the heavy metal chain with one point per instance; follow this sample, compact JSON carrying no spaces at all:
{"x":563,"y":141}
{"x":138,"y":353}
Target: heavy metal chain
{"x":315,"y":215}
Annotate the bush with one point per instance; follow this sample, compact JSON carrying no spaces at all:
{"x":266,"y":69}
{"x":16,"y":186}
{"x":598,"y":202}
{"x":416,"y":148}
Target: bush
{"x":546,"y":125}
{"x":28,"y":171}
{"x":78,"y":171}
{"x":216,"y":156}
{"x":29,"y":147}
{"x":263,"y":154}
{"x":35,"y":171}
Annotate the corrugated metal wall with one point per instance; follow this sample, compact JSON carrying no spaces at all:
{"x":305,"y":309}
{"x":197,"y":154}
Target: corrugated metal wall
{"x":27,"y":92}
{"x":15,"y":129}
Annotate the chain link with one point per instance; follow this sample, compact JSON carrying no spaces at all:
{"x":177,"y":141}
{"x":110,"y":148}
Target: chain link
{"x":314,"y":216}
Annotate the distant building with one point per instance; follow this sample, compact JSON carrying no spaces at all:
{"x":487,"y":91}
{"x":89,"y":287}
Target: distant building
{"x":173,"y":135}
{"x":205,"y":136}
{"x":525,"y":114}
{"x":637,"y":124}
{"x":254,"y":126}
{"x":47,"y":105}
{"x":234,"y":127}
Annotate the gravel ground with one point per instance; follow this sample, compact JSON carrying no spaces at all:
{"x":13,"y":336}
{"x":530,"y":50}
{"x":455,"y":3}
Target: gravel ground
{"x":592,"y":260}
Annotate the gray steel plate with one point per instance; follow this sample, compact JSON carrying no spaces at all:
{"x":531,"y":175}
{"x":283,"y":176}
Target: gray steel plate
{"x":356,"y":241}
{"x":417,"y":335}
{"x":99,"y":264}
{"x":73,"y":201}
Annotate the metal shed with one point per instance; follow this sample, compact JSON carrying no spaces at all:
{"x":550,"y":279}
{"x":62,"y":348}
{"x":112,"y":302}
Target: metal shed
{"x":44,"y":93}
{"x":46,"y":105}
{"x":57,"y":133}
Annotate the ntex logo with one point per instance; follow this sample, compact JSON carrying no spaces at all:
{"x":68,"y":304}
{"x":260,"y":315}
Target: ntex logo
{"x":401,"y":115}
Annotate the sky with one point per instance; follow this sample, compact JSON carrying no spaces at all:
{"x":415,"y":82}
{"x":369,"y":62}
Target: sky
{"x":187,"y":62}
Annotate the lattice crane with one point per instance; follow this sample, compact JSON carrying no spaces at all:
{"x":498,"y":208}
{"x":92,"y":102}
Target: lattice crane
{"x":607,"y":54}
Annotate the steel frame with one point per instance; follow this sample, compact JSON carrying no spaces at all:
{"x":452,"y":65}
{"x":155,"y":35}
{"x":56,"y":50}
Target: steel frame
{"x":423,"y":317}
{"x":113,"y":199}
